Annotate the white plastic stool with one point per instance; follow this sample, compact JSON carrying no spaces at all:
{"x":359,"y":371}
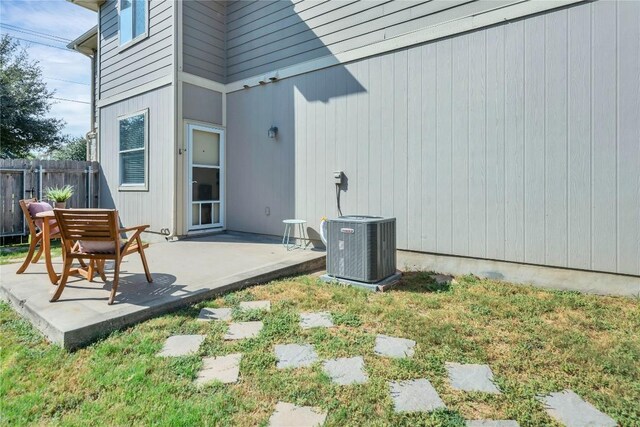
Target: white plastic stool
{"x":290,"y":224}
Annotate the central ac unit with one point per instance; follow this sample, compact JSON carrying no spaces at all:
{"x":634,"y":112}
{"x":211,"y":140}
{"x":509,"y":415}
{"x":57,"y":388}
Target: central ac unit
{"x":361,"y":248}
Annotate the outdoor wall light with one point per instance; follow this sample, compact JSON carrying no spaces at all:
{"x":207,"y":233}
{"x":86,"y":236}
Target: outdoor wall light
{"x":272,"y":132}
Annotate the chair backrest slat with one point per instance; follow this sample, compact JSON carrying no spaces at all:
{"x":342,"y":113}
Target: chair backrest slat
{"x":88,"y":224}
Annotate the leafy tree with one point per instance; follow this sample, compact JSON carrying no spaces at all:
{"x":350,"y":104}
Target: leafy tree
{"x":24,"y":103}
{"x":76,"y":149}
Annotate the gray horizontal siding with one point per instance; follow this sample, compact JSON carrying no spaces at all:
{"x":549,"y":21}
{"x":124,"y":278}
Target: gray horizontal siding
{"x":143,"y":62}
{"x":203,"y":49}
{"x":519,"y":142}
{"x":153,"y":207}
{"x":267,"y":35}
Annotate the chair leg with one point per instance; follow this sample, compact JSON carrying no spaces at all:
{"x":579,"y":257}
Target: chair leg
{"x":63,"y":280}
{"x":37,"y":257}
{"x":100,"y":269}
{"x":114,"y":286}
{"x":144,"y":261}
{"x":90,"y":269}
{"x":27,"y":260}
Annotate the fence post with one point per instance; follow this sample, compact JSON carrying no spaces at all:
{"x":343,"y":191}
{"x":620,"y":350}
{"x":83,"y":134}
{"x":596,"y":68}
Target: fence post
{"x":88,"y":185}
{"x":39,"y":182}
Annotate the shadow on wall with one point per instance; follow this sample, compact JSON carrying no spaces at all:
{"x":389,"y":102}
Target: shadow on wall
{"x":263,"y":175}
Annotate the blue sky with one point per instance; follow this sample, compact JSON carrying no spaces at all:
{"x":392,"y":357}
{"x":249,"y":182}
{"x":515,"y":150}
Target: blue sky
{"x":59,"y":18}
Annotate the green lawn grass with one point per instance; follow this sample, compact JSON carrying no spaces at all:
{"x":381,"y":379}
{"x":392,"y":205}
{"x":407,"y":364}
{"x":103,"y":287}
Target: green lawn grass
{"x":16,"y":253}
{"x":535,"y":341}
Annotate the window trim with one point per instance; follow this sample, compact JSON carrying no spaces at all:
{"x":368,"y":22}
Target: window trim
{"x":135,"y":187}
{"x":124,"y":46}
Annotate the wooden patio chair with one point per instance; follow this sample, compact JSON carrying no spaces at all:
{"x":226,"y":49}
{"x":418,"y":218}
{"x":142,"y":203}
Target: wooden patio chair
{"x":94,"y":235}
{"x":35,"y":233}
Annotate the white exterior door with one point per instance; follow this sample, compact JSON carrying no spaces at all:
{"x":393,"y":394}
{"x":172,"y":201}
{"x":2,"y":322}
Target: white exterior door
{"x":206,"y":177}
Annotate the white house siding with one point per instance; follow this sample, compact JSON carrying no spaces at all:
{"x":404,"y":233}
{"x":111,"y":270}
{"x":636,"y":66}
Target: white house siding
{"x":203,"y":46}
{"x":155,"y":206}
{"x":267,"y":35}
{"x":520,"y":142}
{"x":145,"y":61}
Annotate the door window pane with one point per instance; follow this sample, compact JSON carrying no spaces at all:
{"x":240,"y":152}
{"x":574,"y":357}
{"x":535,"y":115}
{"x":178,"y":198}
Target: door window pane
{"x":206,"y":217}
{"x":206,"y":148}
{"x":216,"y":213}
{"x":206,"y":184}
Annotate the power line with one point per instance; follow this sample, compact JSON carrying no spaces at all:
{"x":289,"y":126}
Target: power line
{"x":67,"y":81}
{"x":70,"y":100}
{"x":34,"y":32}
{"x":40,"y":43}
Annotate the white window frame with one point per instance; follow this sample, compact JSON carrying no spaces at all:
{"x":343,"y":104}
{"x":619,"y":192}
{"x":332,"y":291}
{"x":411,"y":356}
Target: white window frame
{"x":135,"y":40}
{"x":145,"y":185}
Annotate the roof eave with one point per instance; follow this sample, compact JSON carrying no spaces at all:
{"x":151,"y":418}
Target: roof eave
{"x":93,"y":5}
{"x":87,"y":43}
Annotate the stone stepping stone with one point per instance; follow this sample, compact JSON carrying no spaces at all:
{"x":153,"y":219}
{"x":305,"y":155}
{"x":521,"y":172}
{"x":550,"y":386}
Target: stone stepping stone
{"x":415,"y":396}
{"x":255,"y":305}
{"x":315,"y":320}
{"x":242,"y":330}
{"x":225,"y":369}
{"x":569,"y":409}
{"x":290,"y":415}
{"x":471,"y":377}
{"x":181,"y":345}
{"x":295,"y":355}
{"x":208,"y":314}
{"x":492,"y":423}
{"x":443,"y":278}
{"x":346,"y":370}
{"x":394,"y":347}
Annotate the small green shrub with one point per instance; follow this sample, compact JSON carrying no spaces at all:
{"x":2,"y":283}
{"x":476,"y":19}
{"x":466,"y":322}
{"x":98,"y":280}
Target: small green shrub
{"x":59,"y":194}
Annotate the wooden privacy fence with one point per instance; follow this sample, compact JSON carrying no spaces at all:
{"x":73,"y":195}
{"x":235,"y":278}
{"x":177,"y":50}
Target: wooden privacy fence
{"x":21,"y":179}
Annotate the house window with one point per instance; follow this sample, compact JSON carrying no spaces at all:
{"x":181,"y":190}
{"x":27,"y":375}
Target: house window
{"x":133,"y":153}
{"x":133,"y":20}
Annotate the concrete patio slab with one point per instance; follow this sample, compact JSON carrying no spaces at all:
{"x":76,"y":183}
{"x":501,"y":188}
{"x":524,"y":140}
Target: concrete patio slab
{"x":243,"y":330}
{"x":290,"y":415}
{"x":471,"y":377}
{"x":396,"y":348}
{"x":255,"y":305}
{"x":208,"y":314}
{"x":184,"y":272}
{"x":181,"y":345}
{"x":315,"y":320}
{"x":346,"y":370}
{"x":569,"y":409}
{"x":415,"y":396}
{"x":295,"y":355}
{"x":225,"y":369}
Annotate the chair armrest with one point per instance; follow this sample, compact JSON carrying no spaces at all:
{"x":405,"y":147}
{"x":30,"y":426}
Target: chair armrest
{"x":136,"y":228}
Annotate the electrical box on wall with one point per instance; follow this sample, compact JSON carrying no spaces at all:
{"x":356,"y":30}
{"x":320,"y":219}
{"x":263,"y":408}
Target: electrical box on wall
{"x":338,"y":177}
